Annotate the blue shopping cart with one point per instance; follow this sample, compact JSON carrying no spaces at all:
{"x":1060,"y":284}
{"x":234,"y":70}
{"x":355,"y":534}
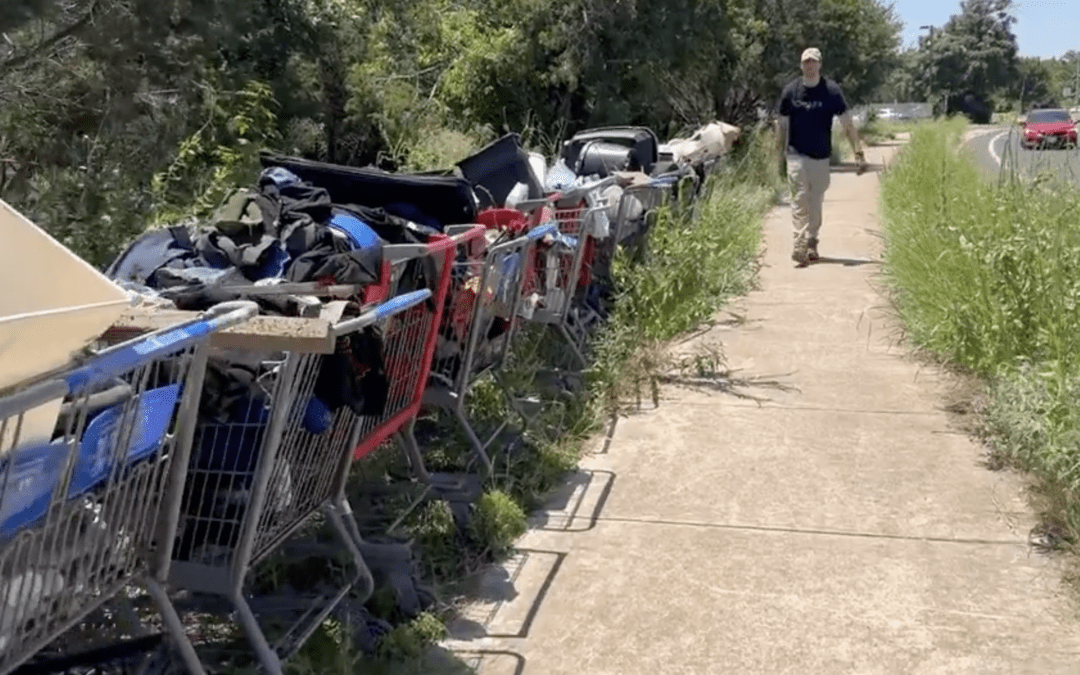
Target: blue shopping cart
{"x":92,"y":466}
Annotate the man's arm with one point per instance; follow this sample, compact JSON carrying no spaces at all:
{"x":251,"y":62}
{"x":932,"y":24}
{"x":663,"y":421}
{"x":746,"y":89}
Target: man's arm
{"x":852,"y":133}
{"x":847,"y":123}
{"x":783,"y":123}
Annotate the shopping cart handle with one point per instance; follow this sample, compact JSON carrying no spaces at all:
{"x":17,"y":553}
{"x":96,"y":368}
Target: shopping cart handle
{"x":393,"y":253}
{"x":399,"y":252}
{"x":382,"y":311}
{"x":602,"y":183}
{"x":579,"y":191}
{"x":231,"y":313}
{"x":400,"y":303}
{"x":474,"y":232}
{"x":529,"y":205}
{"x":664,"y":180}
{"x":454,"y":230}
{"x":124,"y":357}
{"x":542,"y":231}
{"x":567,"y":240}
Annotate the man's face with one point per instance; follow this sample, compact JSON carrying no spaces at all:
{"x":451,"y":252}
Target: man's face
{"x":811,"y":69}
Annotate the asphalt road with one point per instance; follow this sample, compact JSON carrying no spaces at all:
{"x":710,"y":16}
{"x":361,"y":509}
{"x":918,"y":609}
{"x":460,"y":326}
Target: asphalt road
{"x":997,"y":150}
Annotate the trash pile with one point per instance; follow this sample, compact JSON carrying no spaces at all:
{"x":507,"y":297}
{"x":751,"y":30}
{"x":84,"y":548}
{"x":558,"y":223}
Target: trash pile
{"x":416,"y":283}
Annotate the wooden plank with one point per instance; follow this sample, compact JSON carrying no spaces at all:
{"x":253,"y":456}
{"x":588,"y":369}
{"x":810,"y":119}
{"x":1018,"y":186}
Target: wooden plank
{"x":262,"y":333}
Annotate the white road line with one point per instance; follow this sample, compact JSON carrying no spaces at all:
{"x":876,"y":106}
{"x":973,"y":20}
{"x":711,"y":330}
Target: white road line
{"x":993,"y":152}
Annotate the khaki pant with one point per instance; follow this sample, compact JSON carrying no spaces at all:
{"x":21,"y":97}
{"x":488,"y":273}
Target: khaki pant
{"x":808,"y":180}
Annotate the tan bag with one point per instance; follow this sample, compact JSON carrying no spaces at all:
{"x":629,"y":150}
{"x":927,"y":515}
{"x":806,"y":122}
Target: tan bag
{"x":711,"y":141}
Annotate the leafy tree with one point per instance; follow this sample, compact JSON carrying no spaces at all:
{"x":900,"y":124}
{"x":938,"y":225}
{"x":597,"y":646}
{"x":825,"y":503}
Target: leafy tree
{"x":1034,"y":85}
{"x":901,"y":85}
{"x":666,"y":65}
{"x":1065,"y":72}
{"x":972,"y":58}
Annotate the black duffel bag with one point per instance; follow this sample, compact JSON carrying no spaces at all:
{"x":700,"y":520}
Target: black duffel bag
{"x":431,"y":200}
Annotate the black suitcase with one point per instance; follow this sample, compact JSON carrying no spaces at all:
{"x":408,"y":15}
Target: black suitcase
{"x":644,"y":147}
{"x":495,"y":169}
{"x":448,"y":200}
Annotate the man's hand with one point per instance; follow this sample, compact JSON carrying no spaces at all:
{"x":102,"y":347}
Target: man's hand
{"x":860,"y":163}
{"x":853,"y":135}
{"x":782,"y":126}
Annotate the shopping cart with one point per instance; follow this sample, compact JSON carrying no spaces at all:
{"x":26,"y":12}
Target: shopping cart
{"x":92,"y":461}
{"x":410,"y":339}
{"x":485,"y":303}
{"x":273,"y":447}
{"x":562,"y":262}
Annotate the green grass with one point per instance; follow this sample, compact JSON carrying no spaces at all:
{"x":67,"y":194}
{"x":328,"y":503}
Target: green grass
{"x":873,"y":132}
{"x":878,"y":131}
{"x":985,"y":276}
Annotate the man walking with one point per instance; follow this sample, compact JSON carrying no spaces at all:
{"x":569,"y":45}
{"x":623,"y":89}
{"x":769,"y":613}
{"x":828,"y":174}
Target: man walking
{"x":807,"y":107}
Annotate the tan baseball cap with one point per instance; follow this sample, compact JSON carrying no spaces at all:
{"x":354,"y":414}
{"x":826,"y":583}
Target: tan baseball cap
{"x":811,"y":54}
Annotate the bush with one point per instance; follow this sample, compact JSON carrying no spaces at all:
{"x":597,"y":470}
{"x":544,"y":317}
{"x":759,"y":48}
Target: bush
{"x":696,"y":263}
{"x":408,"y":641}
{"x":497,"y":522}
{"x":437,"y":538}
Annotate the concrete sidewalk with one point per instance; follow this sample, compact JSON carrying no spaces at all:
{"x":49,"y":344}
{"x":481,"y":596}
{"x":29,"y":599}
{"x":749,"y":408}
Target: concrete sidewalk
{"x":840,"y":528}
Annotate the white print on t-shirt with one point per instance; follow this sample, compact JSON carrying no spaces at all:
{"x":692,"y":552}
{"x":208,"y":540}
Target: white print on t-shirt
{"x":809,"y":105}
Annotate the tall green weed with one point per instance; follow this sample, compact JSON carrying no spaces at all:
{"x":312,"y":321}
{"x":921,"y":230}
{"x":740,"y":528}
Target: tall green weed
{"x":982,"y":274}
{"x":985,"y":275}
{"x":697,"y":260}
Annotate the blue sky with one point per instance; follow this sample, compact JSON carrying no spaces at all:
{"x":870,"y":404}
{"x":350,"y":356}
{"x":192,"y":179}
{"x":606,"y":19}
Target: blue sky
{"x":1044,"y":28}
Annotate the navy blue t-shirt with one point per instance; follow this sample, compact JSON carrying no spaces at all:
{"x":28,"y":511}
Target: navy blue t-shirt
{"x":810,"y":111}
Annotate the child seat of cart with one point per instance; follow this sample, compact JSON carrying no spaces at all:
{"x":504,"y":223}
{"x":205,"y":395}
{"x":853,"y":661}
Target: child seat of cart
{"x":30,"y":474}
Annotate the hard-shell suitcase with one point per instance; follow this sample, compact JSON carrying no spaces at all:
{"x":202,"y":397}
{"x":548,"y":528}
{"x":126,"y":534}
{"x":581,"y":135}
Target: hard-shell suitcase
{"x":642,"y":142}
{"x":494,"y":170}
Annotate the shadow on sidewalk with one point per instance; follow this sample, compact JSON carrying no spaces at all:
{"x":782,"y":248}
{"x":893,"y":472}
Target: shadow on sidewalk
{"x":502,"y":585}
{"x":846,"y":262}
{"x":852,"y":168}
{"x":500,"y":659}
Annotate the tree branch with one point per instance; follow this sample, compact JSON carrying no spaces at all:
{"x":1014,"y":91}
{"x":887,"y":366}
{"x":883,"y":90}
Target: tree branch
{"x":48,"y":43}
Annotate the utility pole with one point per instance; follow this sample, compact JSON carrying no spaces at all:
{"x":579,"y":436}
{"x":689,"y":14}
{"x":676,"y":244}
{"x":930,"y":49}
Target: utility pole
{"x":1073,"y":91}
{"x":929,"y":42}
{"x":1076,"y":84}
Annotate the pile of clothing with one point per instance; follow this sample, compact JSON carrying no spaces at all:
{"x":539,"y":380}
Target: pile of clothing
{"x":284,"y":229}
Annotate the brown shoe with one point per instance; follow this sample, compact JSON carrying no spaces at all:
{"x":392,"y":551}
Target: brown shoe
{"x":801,"y":253}
{"x":811,"y":250}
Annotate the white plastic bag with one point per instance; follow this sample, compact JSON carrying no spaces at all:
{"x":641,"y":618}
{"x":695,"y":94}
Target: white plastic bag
{"x":559,"y":177}
{"x":518,"y":194}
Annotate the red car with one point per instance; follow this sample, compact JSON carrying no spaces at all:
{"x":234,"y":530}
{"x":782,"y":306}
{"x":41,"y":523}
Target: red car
{"x":1048,"y":128}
